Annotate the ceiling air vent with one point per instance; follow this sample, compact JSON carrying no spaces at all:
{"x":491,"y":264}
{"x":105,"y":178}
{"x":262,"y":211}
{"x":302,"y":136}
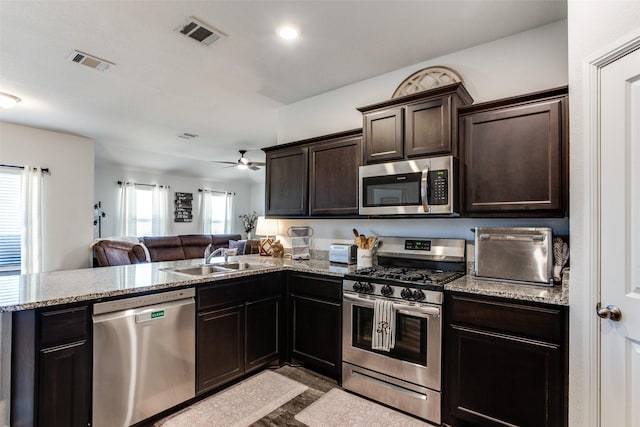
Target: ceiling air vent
{"x":187,"y":135}
{"x":91,"y":61}
{"x":201,"y":32}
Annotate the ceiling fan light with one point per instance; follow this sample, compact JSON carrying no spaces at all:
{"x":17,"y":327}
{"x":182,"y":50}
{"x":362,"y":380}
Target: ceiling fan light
{"x":244,"y":160}
{"x":242,"y":166}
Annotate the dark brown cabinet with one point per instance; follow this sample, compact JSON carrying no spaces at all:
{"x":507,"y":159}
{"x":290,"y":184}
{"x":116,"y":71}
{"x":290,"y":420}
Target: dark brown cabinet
{"x":505,"y":363}
{"x":51,"y":368}
{"x":418,"y":125}
{"x":333,"y":175}
{"x":515,"y":156}
{"x":314,"y":177}
{"x":238,"y":329}
{"x":286,"y":182}
{"x":315,"y":310}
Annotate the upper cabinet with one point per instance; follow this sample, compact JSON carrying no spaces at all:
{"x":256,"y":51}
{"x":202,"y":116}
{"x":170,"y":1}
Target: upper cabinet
{"x":417,"y":125}
{"x":286,"y":182}
{"x":314,"y":177}
{"x":515,"y":158}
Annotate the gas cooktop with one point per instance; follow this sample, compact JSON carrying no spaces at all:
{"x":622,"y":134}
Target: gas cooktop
{"x":406,"y":274}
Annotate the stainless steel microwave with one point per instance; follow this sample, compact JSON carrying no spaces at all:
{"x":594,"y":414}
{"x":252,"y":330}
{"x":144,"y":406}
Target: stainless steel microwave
{"x":411,"y":187}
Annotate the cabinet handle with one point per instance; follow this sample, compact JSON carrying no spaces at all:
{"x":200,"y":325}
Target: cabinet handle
{"x":609,"y":312}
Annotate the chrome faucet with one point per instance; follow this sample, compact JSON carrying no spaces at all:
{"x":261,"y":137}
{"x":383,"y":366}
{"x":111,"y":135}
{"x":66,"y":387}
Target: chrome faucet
{"x":208,"y":254}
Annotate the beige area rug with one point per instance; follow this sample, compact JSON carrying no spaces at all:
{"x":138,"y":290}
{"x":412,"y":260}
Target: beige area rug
{"x":239,"y":405}
{"x":338,"y":408}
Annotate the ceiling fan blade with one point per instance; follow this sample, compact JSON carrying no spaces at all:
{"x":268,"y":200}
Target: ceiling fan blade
{"x":253,"y":167}
{"x":225,"y":163}
{"x":258,"y":163}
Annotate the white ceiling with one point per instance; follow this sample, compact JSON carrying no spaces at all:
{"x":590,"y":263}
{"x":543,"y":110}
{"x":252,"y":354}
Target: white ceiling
{"x":165,"y":84}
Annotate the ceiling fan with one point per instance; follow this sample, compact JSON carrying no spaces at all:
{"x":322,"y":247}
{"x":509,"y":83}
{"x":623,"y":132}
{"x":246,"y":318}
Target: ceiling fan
{"x":243,"y":162}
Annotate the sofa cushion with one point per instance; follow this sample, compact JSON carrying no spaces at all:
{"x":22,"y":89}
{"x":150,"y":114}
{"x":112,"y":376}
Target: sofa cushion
{"x":194,"y":245}
{"x":164,"y":248}
{"x":222,"y":240}
{"x":238,"y":244}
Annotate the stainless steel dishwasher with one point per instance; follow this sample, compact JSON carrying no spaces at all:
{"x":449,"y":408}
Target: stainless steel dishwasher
{"x":143,"y":356}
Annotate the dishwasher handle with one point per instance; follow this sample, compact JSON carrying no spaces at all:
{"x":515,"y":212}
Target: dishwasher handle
{"x":143,"y":301}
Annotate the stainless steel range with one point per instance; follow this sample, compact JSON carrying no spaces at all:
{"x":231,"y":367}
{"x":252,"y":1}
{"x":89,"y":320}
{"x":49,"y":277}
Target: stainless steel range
{"x":392,"y":323}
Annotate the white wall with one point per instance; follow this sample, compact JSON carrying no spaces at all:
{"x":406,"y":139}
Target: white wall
{"x":107,"y":192}
{"x":68,"y":190}
{"x":593,"y":26}
{"x":525,"y":62}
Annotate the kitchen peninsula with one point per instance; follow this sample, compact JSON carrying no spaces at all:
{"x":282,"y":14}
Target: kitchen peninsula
{"x":67,"y":298}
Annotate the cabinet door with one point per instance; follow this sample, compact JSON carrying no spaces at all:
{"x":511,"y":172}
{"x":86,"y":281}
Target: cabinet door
{"x":515,"y":160}
{"x":286,"y":182}
{"x":428,"y":128}
{"x":262,"y":332}
{"x":220,"y":347}
{"x":316,"y":333}
{"x":333,"y":177}
{"x":500,"y":380}
{"x":383,"y":135}
{"x":64,"y":380}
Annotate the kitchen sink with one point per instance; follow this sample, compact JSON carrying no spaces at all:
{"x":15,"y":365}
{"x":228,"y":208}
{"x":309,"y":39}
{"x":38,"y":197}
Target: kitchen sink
{"x":214,"y":269}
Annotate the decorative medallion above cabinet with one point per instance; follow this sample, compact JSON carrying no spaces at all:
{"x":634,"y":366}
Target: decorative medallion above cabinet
{"x":418,"y":125}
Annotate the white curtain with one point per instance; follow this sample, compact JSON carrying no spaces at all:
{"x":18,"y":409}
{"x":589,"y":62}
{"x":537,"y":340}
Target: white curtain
{"x":160,"y":209}
{"x":204,"y":209}
{"x":215,"y":207}
{"x":32,"y":254}
{"x":228,"y":222}
{"x":127,"y":216}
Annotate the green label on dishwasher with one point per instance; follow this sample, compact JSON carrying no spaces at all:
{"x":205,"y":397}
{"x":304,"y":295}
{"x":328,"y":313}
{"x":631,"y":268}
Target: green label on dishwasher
{"x":156,"y":314}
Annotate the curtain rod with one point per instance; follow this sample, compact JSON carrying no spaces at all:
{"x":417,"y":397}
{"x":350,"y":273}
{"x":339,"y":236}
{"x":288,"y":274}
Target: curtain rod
{"x":44,"y":170}
{"x":144,"y":185}
{"x":200,"y":190}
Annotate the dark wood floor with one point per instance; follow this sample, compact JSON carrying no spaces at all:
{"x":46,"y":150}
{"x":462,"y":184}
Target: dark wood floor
{"x":283,"y":416}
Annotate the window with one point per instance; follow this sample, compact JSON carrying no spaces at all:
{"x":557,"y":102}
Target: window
{"x":144,"y":210}
{"x":216,"y":212}
{"x":144,"y":213}
{"x":10,"y":222}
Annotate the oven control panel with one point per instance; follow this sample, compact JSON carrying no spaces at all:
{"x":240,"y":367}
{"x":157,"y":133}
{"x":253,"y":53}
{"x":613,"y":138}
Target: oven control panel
{"x":417,"y":245}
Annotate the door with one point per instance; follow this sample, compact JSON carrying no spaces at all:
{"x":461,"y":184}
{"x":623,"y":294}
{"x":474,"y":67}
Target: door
{"x":620,"y":241}
{"x":262,"y":338}
{"x":220,"y":347}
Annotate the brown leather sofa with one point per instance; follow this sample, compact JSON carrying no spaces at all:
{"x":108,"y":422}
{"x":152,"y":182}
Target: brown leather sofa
{"x":118,"y":252}
{"x":164,"y":248}
{"x":187,"y":246}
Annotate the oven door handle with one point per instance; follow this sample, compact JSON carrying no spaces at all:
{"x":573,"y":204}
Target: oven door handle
{"x":410,"y":310}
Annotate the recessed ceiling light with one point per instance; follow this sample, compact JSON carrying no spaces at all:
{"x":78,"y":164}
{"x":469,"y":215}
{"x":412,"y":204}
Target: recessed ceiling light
{"x":288,"y":32}
{"x":8,"y":101}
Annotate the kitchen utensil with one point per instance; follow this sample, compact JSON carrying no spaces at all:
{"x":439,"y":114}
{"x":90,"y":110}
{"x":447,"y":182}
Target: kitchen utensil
{"x":355,"y":233}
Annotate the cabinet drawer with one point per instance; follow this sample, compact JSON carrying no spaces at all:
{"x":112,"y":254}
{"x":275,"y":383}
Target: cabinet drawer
{"x":63,"y":326}
{"x":218,"y":295}
{"x":239,"y":291}
{"x":316,"y":286}
{"x":545,"y":323}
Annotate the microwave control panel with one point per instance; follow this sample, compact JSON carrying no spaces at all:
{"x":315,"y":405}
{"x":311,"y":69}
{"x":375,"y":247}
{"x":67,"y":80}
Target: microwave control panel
{"x":438,"y":193}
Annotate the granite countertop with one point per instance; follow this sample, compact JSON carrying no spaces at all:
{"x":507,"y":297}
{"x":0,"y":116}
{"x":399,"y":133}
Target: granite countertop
{"x":31,"y":291}
{"x":556,"y":295}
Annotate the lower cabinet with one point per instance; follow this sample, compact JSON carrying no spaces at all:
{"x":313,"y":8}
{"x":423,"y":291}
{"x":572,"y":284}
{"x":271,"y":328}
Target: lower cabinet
{"x":238,"y":329}
{"x":505,"y":363}
{"x":315,"y":313}
{"x":51,"y":368}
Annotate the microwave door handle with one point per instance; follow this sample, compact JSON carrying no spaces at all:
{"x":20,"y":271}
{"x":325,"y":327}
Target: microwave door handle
{"x":424,"y":181}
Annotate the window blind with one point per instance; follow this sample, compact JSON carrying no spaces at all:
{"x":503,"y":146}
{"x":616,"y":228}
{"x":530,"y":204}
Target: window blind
{"x":10,"y":222}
